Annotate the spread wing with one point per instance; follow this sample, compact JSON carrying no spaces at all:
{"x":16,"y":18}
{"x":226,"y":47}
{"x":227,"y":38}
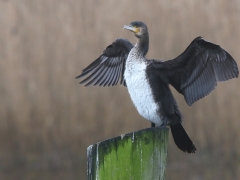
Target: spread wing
{"x":197,"y":70}
{"x":109,"y":67}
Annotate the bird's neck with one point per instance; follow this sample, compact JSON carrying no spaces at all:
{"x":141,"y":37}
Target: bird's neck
{"x":143,"y":44}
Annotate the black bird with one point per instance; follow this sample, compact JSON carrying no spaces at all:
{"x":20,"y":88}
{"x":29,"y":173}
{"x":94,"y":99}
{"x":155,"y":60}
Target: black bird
{"x":194,"y":74}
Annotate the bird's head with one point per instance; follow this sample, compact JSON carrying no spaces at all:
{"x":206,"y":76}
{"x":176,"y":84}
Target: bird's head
{"x":138,"y":28}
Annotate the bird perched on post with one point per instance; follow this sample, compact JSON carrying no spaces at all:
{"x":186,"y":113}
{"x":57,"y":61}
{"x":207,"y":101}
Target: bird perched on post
{"x":194,"y":74}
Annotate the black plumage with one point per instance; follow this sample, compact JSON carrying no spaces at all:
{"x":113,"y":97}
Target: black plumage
{"x":194,"y":74}
{"x":197,"y":70}
{"x":108,"y":69}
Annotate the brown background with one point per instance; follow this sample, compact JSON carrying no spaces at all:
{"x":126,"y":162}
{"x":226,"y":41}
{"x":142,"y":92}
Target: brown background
{"x":48,"y":120}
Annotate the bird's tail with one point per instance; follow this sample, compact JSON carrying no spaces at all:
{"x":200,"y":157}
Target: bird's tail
{"x":181,"y":138}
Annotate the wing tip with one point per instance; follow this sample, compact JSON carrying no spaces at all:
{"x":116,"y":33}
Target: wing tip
{"x":79,"y":76}
{"x":190,"y":100}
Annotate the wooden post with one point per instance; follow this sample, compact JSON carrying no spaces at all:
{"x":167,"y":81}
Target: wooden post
{"x":140,"y":155}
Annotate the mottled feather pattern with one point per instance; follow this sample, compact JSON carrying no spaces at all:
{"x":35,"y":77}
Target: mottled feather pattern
{"x":139,"y":88}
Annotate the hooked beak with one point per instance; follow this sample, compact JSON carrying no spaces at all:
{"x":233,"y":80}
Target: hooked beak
{"x":130,"y":28}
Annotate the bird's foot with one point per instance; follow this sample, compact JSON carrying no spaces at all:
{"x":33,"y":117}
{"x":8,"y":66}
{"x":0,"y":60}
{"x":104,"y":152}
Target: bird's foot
{"x":153,"y":125}
{"x":164,"y":124}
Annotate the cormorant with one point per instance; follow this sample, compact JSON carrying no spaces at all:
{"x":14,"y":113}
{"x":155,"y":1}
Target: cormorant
{"x":194,"y":74}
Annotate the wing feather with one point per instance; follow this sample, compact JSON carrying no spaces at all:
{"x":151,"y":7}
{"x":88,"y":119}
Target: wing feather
{"x":110,"y":77}
{"x":117,"y":75}
{"x":102,"y":77}
{"x":197,"y":70}
{"x":94,"y":74}
{"x":108,"y":69}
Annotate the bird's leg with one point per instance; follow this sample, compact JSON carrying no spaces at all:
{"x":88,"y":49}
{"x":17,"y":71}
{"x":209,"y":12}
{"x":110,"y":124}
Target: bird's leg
{"x":164,"y":124}
{"x":153,"y":125}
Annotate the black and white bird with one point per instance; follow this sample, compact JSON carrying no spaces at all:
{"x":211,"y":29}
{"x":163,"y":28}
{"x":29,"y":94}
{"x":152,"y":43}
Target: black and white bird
{"x":194,"y":74}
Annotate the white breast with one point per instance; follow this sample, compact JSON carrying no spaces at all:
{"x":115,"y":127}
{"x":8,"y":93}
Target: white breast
{"x":139,"y":89}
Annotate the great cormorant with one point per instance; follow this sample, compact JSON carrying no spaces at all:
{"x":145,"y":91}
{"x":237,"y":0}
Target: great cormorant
{"x":194,"y":74}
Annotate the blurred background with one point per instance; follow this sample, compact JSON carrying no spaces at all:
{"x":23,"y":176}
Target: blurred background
{"x":47,"y":120}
